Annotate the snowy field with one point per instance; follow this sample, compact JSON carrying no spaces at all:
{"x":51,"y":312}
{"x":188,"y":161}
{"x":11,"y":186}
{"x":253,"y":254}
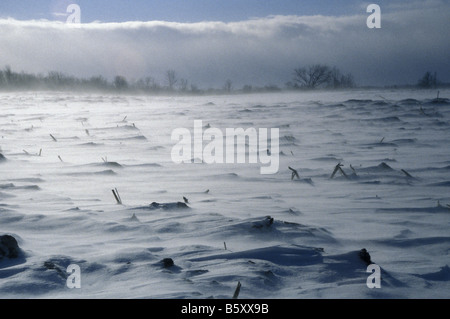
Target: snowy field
{"x":63,"y":154}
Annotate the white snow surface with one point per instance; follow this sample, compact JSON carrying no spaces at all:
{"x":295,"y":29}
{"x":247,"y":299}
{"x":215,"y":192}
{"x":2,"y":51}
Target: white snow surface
{"x":56,"y":196}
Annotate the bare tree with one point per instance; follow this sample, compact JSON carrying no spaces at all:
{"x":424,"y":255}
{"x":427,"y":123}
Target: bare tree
{"x":120,"y":82}
{"x":347,"y":81}
{"x":171,"y":79}
{"x":428,"y":80}
{"x":183,"y":85}
{"x":338,"y":80}
{"x":228,"y":86}
{"x":97,"y":82}
{"x":312,"y":76}
{"x":152,"y":84}
{"x":8,"y":74}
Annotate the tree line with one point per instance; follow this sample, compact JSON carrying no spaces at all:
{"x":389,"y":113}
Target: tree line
{"x":10,"y":80}
{"x":320,"y":75}
{"x":303,"y":78}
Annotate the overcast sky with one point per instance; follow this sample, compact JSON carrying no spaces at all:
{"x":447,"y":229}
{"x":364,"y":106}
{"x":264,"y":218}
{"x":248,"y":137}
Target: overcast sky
{"x":209,"y":41}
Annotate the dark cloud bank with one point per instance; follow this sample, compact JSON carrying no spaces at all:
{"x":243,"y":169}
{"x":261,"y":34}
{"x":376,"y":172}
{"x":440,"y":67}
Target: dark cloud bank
{"x":413,"y":39}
